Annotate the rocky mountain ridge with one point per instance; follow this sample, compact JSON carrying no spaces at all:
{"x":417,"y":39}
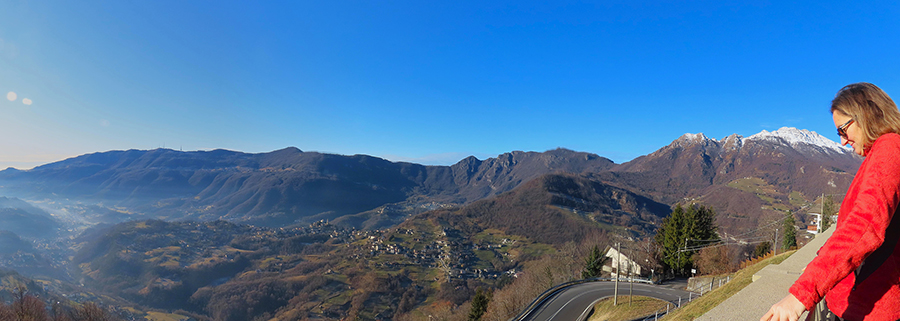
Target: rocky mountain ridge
{"x":750,"y":178}
{"x":290,"y":186}
{"x":483,"y":218}
{"x":279,"y":188}
{"x":790,"y":135}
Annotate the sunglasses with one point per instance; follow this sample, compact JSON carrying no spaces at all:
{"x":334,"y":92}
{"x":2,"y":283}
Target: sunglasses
{"x":842,"y":130}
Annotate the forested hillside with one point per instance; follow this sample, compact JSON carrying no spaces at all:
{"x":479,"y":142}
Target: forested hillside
{"x":282,"y":187}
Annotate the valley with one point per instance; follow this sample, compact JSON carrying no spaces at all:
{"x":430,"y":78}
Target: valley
{"x":292,"y":235}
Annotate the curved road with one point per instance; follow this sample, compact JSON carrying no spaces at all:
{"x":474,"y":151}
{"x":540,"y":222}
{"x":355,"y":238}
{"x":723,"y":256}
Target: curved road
{"x":571,"y":302}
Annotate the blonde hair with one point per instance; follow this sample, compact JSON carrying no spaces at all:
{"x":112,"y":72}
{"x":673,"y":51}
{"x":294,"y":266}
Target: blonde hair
{"x":870,"y":107}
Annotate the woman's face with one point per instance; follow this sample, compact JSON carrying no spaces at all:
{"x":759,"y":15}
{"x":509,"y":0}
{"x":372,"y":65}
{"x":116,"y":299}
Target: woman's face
{"x":854,"y":134}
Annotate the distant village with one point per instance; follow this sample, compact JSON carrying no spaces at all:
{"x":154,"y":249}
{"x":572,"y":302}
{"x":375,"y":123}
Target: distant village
{"x":452,"y":255}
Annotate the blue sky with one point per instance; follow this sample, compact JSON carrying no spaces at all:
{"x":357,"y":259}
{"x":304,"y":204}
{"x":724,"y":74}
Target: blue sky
{"x":426,"y":81}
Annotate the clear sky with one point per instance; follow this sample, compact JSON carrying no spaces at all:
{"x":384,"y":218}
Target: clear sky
{"x":426,"y":81}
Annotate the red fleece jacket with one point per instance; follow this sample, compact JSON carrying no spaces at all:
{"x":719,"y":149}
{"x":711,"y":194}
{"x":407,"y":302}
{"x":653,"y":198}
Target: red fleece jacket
{"x":865,"y":213}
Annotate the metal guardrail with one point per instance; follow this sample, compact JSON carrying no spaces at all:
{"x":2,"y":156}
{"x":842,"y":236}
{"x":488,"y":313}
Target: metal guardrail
{"x":712,"y":284}
{"x":659,"y":313}
{"x":552,"y":291}
{"x":655,"y":316}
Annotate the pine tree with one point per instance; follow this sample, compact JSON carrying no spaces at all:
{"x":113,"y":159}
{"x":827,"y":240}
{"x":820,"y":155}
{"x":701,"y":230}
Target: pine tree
{"x":762,"y":249}
{"x":683,"y":228}
{"x":790,"y":232}
{"x":479,"y":304}
{"x":593,"y":264}
{"x":669,"y":238}
{"x":828,"y":209}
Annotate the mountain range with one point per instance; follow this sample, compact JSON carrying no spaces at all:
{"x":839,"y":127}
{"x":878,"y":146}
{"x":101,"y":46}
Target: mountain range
{"x":158,"y":236}
{"x":746,"y":179}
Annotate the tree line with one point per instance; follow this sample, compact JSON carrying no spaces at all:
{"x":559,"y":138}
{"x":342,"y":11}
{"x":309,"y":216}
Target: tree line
{"x":26,"y":307}
{"x":688,"y":242}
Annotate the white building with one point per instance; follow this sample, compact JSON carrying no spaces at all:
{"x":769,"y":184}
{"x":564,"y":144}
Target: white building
{"x":625,"y":264}
{"x":813,"y":228}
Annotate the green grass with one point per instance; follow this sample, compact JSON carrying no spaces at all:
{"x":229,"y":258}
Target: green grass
{"x":767,"y":193}
{"x":490,"y":236}
{"x":752,"y":185}
{"x":417,"y":272}
{"x":159,"y":316}
{"x":485,"y":258}
{"x":340,"y":278}
{"x":341,"y":298}
{"x":712,"y":299}
{"x":781,"y":207}
{"x":640,"y":306}
{"x":797,"y":199}
{"x":537,"y":249}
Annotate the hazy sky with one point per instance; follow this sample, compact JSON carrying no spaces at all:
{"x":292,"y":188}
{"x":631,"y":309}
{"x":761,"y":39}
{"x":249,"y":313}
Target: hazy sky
{"x":425,"y":81}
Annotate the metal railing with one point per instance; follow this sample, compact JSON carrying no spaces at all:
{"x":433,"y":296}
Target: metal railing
{"x":708,"y":288}
{"x":549,"y":293}
{"x":669,"y":306}
{"x":714,"y":284}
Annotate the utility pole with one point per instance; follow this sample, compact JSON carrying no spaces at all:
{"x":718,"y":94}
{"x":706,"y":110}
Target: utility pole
{"x":775,"y":242}
{"x":682,"y":251}
{"x":822,"y":217}
{"x":631,"y":273}
{"x":618,"y":268}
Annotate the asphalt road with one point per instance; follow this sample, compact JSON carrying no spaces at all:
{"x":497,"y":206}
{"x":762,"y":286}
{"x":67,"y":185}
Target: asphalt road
{"x":570,"y":303}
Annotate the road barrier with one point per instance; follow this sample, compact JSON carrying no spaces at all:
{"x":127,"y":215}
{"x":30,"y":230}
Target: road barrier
{"x":543,"y":297}
{"x":708,"y":288}
{"x":552,"y":291}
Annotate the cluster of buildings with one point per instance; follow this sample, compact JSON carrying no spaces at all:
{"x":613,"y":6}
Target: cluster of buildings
{"x":454,"y":256}
{"x":813,"y":227}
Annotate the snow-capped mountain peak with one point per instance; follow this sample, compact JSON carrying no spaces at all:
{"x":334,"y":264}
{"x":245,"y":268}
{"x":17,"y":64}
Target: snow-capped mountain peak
{"x":699,"y":137}
{"x":691,"y":139}
{"x":794,"y":137}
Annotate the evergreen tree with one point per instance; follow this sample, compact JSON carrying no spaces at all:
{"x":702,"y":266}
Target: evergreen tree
{"x":684,"y":228}
{"x":790,"y":232}
{"x":828,"y":209}
{"x":593,"y":264}
{"x":669,"y":238}
{"x":479,"y":304}
{"x":762,"y":249}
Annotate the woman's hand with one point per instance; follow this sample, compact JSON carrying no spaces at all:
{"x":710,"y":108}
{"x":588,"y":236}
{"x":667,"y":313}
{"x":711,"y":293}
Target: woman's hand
{"x":788,"y":309}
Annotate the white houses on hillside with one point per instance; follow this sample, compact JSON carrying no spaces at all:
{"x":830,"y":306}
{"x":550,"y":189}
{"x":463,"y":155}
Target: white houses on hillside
{"x":626,"y":265}
{"x":813,"y":228}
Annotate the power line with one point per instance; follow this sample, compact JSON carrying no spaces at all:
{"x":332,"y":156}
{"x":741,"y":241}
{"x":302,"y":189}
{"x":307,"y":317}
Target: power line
{"x":751,"y":240}
{"x":743,"y":241}
{"x":717,"y":243}
{"x":763,"y":227}
{"x":758,"y":229}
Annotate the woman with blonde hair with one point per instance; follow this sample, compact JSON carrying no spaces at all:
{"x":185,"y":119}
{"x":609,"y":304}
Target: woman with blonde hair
{"x":857,"y":271}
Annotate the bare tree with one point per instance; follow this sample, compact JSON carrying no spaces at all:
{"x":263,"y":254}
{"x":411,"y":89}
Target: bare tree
{"x":6,"y":312}
{"x":58,"y":313}
{"x":539,"y":276}
{"x":26,"y":307}
{"x":29,"y":308}
{"x":714,"y":260}
{"x":92,"y":312}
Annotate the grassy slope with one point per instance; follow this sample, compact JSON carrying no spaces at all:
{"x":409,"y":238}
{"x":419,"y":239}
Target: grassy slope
{"x":710,"y":300}
{"x":160,"y":316}
{"x":639,"y":307}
